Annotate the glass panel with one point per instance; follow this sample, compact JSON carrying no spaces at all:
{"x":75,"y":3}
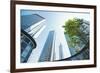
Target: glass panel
{"x":46,"y":52}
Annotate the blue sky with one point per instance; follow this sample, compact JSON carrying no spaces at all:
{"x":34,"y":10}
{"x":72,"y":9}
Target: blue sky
{"x":56,"y":18}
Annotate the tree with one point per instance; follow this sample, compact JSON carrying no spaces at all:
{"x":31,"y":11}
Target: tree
{"x":73,"y":28}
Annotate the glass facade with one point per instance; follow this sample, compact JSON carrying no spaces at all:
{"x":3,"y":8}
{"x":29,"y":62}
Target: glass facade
{"x":47,"y":50}
{"x":60,"y":52}
{"x":29,"y":20}
{"x":30,"y":25}
{"x":26,"y":47}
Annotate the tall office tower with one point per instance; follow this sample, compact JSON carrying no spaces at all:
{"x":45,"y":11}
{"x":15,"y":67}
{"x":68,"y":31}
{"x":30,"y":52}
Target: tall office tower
{"x":31,"y":25}
{"x":27,"y":45}
{"x":60,"y":51}
{"x":47,"y":49}
{"x":55,"y":48}
{"x":85,"y":28}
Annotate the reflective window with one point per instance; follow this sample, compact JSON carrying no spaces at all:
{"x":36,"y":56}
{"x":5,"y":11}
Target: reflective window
{"x":46,"y":52}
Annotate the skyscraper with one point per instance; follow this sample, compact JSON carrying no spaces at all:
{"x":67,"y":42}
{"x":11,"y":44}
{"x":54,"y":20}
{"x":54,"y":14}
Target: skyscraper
{"x":30,"y":25}
{"x":47,"y":49}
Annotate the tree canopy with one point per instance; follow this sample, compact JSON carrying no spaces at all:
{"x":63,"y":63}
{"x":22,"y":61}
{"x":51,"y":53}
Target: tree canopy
{"x":72,"y":26}
{"x":73,"y":29}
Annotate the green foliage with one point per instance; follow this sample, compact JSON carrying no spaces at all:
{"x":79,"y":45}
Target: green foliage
{"x":72,"y":29}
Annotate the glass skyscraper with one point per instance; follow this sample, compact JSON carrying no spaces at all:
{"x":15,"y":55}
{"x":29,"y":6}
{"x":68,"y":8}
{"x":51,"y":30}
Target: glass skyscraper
{"x":47,"y":50}
{"x":30,"y":25}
